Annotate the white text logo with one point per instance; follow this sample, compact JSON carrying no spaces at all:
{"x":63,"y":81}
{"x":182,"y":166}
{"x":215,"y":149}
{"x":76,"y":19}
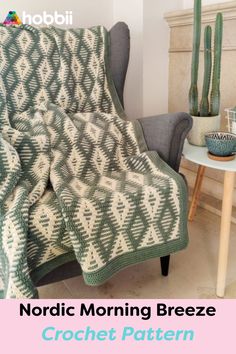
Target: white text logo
{"x":48,"y":19}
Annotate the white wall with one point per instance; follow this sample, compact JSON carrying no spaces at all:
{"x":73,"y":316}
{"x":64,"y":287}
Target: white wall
{"x":85,"y":12}
{"x":146,"y":91}
{"x":189,"y":3}
{"x":131,"y":12}
{"x":155,"y":55}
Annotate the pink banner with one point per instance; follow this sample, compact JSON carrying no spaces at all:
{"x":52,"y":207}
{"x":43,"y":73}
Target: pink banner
{"x":117,"y":326}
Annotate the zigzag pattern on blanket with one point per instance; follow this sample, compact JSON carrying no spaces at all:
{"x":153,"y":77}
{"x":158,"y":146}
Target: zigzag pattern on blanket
{"x":75,"y":181}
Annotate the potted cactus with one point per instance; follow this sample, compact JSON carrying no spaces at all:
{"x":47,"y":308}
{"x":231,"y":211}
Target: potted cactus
{"x":205,"y":114}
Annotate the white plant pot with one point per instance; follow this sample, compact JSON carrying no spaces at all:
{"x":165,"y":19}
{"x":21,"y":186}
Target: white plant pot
{"x":202,"y":126}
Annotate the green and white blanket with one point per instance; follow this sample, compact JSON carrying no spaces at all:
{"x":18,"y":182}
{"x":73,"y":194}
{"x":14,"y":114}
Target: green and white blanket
{"x":75,"y":180}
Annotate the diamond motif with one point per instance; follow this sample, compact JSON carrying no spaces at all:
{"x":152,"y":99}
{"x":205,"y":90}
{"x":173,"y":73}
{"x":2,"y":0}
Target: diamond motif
{"x":63,"y":97}
{"x":44,"y":221}
{"x":45,"y":43}
{"x":150,"y":238}
{"x":93,"y":132}
{"x":41,"y":166}
{"x":120,"y":246}
{"x":20,"y":96}
{"x":24,"y":41}
{"x":120,"y":208}
{"x":92,"y":259}
{"x":76,"y":67}
{"x":108,"y":183}
{"x":86,"y":215}
{"x":79,"y":187}
{"x":135,"y":178}
{"x":45,"y":71}
{"x":75,"y":161}
{"x":71,"y":41}
{"x":99,"y":160}
{"x":22,"y":67}
{"x":41,"y":97}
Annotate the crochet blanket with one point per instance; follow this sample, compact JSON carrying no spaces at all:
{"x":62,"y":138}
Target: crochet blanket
{"x":76,"y":181}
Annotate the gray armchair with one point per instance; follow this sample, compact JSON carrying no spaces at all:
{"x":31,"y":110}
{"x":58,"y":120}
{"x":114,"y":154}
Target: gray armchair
{"x":164,"y":134}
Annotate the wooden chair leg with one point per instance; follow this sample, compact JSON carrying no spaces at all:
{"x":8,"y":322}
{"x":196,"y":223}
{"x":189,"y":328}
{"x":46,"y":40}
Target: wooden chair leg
{"x":165,"y":262}
{"x":196,"y":192}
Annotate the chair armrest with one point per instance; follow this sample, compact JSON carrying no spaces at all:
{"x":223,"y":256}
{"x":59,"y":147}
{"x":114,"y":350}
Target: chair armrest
{"x":166,"y":134}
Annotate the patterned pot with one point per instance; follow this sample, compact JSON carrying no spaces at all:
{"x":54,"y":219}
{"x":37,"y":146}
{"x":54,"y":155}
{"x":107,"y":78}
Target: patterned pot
{"x":221,"y":143}
{"x":202,"y":126}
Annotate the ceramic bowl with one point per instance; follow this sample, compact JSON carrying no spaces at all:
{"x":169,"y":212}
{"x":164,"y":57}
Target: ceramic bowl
{"x":221,"y":143}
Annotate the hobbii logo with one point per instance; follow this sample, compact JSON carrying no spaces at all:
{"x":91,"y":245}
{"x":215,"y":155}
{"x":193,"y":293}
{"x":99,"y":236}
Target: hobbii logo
{"x":48,"y":19}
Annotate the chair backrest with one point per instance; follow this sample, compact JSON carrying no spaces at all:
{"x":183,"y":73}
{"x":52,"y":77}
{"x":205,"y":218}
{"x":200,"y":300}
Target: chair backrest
{"x":119,"y":56}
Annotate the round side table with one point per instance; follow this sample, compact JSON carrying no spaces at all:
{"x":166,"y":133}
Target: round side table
{"x":199,"y":156}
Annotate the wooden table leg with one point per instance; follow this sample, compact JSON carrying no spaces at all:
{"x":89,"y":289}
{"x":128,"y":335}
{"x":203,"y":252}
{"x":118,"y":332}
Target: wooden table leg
{"x":225,"y":231}
{"x":196,"y":192}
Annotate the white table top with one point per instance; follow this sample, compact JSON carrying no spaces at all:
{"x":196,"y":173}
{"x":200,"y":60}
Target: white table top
{"x":198,"y":155}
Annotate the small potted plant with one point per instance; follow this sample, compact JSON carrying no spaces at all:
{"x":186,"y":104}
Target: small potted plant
{"x":206,"y":115}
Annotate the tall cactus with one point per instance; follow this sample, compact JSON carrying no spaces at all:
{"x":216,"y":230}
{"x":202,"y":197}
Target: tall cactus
{"x":206,"y":108}
{"x":204,"y":105}
{"x":193,"y":92}
{"x":215,"y":93}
